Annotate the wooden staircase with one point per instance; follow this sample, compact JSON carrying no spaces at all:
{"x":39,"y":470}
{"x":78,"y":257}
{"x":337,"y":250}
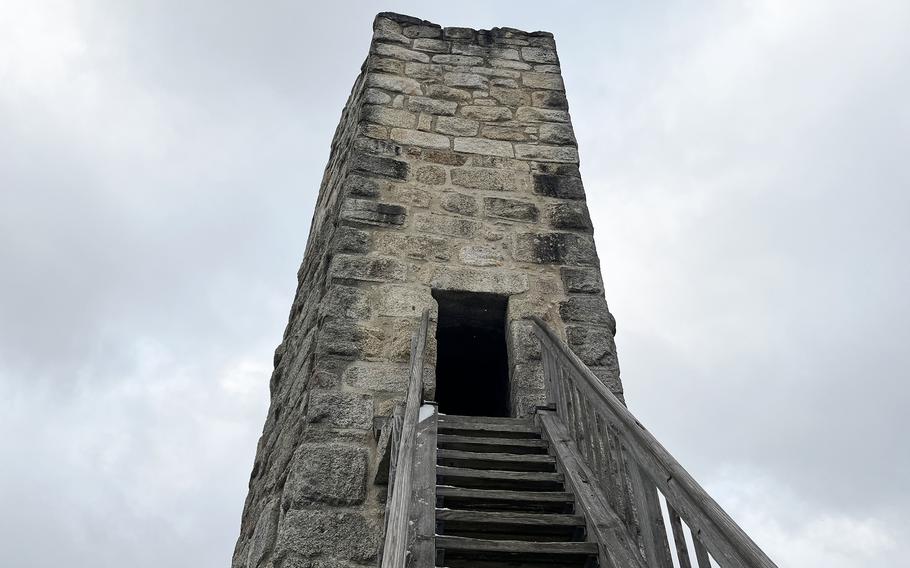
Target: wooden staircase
{"x":500,"y":500}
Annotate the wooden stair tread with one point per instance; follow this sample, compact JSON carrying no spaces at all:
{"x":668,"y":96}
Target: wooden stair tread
{"x":496,"y":456}
{"x":452,"y":543}
{"x":498,"y":475}
{"x":505,"y":495}
{"x":510,"y":518}
{"x":477,"y":440}
{"x":483,"y":419}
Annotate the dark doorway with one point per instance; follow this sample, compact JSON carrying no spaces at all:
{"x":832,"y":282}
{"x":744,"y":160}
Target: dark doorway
{"x":472,"y":364}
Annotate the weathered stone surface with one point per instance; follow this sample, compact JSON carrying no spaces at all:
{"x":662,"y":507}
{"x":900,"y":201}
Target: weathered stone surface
{"x":333,"y":474}
{"x":556,"y":134}
{"x":377,"y":376}
{"x":582,"y":280}
{"x":509,"y":64}
{"x":458,"y":33}
{"x":528,"y":377}
{"x":456,"y":126}
{"x":402,"y":301}
{"x":376,"y":97}
{"x":372,"y":212}
{"x":431,"y":105}
{"x":349,"y":239}
{"x":459,"y":203}
{"x":408,"y":195}
{"x":364,"y":186}
{"x":430,"y":175}
{"x":509,"y":133}
{"x":394,"y":83}
{"x":421,"y":247}
{"x":549,"y":99}
{"x":490,"y":179}
{"x":422,"y":31}
{"x":431,"y":45}
{"x":588,"y":309}
{"x":486,"y":113}
{"x":448,"y":93}
{"x":594,"y":346}
{"x":349,"y":338}
{"x":563,"y":187}
{"x":539,"y":55}
{"x":551,"y":81}
{"x":481,"y":146}
{"x":444,"y":157}
{"x":336,"y":409}
{"x":389,"y":116}
{"x":384,"y":65}
{"x":418,"y":138}
{"x":544,"y":153}
{"x":570,"y":215}
{"x":555,"y":248}
{"x":512,"y":209}
{"x":523,"y":344}
{"x":533,"y":114}
{"x":510,"y":97}
{"x":263,"y":539}
{"x":463,"y":60}
{"x":345,"y":302}
{"x":481,"y":255}
{"x":483,"y":51}
{"x":423,"y":71}
{"x":367,"y":268}
{"x":471,"y":80}
{"x":381,"y":166}
{"x":398,"y":52}
{"x":478,"y":280}
{"x":446,"y":225}
{"x":333,"y":533}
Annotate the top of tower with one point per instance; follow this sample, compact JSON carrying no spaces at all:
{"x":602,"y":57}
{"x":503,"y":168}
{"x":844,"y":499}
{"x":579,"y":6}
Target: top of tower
{"x":412,"y":27}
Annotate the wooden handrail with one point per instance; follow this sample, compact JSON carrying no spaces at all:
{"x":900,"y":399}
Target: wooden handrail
{"x":394,"y":549}
{"x":595,"y":416}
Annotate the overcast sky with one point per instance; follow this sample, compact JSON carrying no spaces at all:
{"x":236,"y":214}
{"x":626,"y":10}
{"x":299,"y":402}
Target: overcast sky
{"x":746,"y":165}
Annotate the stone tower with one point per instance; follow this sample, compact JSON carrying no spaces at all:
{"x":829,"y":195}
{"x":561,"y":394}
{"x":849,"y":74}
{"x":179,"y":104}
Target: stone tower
{"x":452,"y":184}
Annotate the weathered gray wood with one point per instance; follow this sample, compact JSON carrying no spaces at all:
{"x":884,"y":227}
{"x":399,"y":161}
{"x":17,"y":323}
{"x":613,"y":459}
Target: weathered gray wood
{"x":701,"y":553}
{"x":396,"y":537}
{"x":421,"y":541}
{"x":510,"y":423}
{"x":505,"y":495}
{"x":490,"y":460}
{"x":519,"y":446}
{"x":616,"y":550}
{"x":679,"y":537}
{"x":650,"y":520}
{"x":464,"y":475}
{"x":725,"y":540}
{"x":515,"y":546}
{"x":510,"y":518}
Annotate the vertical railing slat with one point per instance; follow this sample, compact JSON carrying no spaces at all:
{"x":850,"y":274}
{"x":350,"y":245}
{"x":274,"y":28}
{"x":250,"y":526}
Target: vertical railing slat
{"x":679,"y":537}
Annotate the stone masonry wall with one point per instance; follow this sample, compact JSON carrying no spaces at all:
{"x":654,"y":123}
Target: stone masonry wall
{"x":454,"y":167}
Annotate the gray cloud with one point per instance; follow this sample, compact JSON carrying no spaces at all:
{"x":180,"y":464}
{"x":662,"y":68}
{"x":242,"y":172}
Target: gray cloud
{"x":159,"y":163}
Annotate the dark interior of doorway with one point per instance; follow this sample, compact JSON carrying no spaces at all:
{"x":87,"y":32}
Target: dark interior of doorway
{"x":472,"y":364}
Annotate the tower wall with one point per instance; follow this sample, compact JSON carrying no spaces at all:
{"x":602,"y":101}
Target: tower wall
{"x":454,"y":167}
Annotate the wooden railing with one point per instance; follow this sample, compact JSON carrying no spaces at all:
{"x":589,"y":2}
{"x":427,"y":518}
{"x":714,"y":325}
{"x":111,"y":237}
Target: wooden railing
{"x":395,"y":546}
{"x":631,"y":469}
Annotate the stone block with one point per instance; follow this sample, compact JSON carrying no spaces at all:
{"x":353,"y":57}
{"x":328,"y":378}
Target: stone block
{"x":555,"y":248}
{"x":349,"y":239}
{"x":377,"y":376}
{"x":512,"y":209}
{"x":547,"y":69}
{"x":399,"y":52}
{"x":422,"y":31}
{"x":448,"y":93}
{"x":363,"y":186}
{"x":418,"y":138}
{"x":570,"y":215}
{"x":333,"y":474}
{"x":458,"y":33}
{"x":481,"y":255}
{"x":478,"y":280}
{"x":431,"y":45}
{"x":563,"y":187}
{"x":384,"y":65}
{"x":376,"y":97}
{"x":510,"y":97}
{"x":348,"y":338}
{"x":367,"y":212}
{"x":456,"y":126}
{"x":367,"y":268}
{"x":421,"y":247}
{"x":389,"y":116}
{"x":509,"y":64}
{"x":377,"y":146}
{"x":549,"y":81}
{"x":491,"y":179}
{"x":346,"y":410}
{"x":402,"y":301}
{"x":556,"y":134}
{"x":483,"y":51}
{"x":509,"y":133}
{"x":444,"y":157}
{"x":409,"y":195}
{"x":523,"y":344}
{"x":432,"y":105}
{"x":533,"y":114}
{"x":470,"y":80}
{"x":587,"y":309}
{"x":481,"y":146}
{"x":539,"y":55}
{"x":378,"y":165}
{"x":337,"y":534}
{"x":593,"y":345}
{"x":263,"y":539}
{"x":446,"y":225}
{"x":549,"y":99}
{"x":494,"y":72}
{"x":430,"y":175}
{"x":345,"y":302}
{"x":486,"y":113}
{"x":393,"y":83}
{"x":461,"y":60}
{"x":528,"y":377}
{"x":423,"y":71}
{"x":581,"y":280}
{"x":459,"y":203}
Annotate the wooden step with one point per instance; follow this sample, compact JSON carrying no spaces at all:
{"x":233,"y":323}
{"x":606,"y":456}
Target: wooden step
{"x":483,"y":419}
{"x":523,"y":552}
{"x":499,"y":479}
{"x":513,"y":429}
{"x":503,"y":500}
{"x":499,"y":445}
{"x":489,"y":460}
{"x":501,"y":525}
